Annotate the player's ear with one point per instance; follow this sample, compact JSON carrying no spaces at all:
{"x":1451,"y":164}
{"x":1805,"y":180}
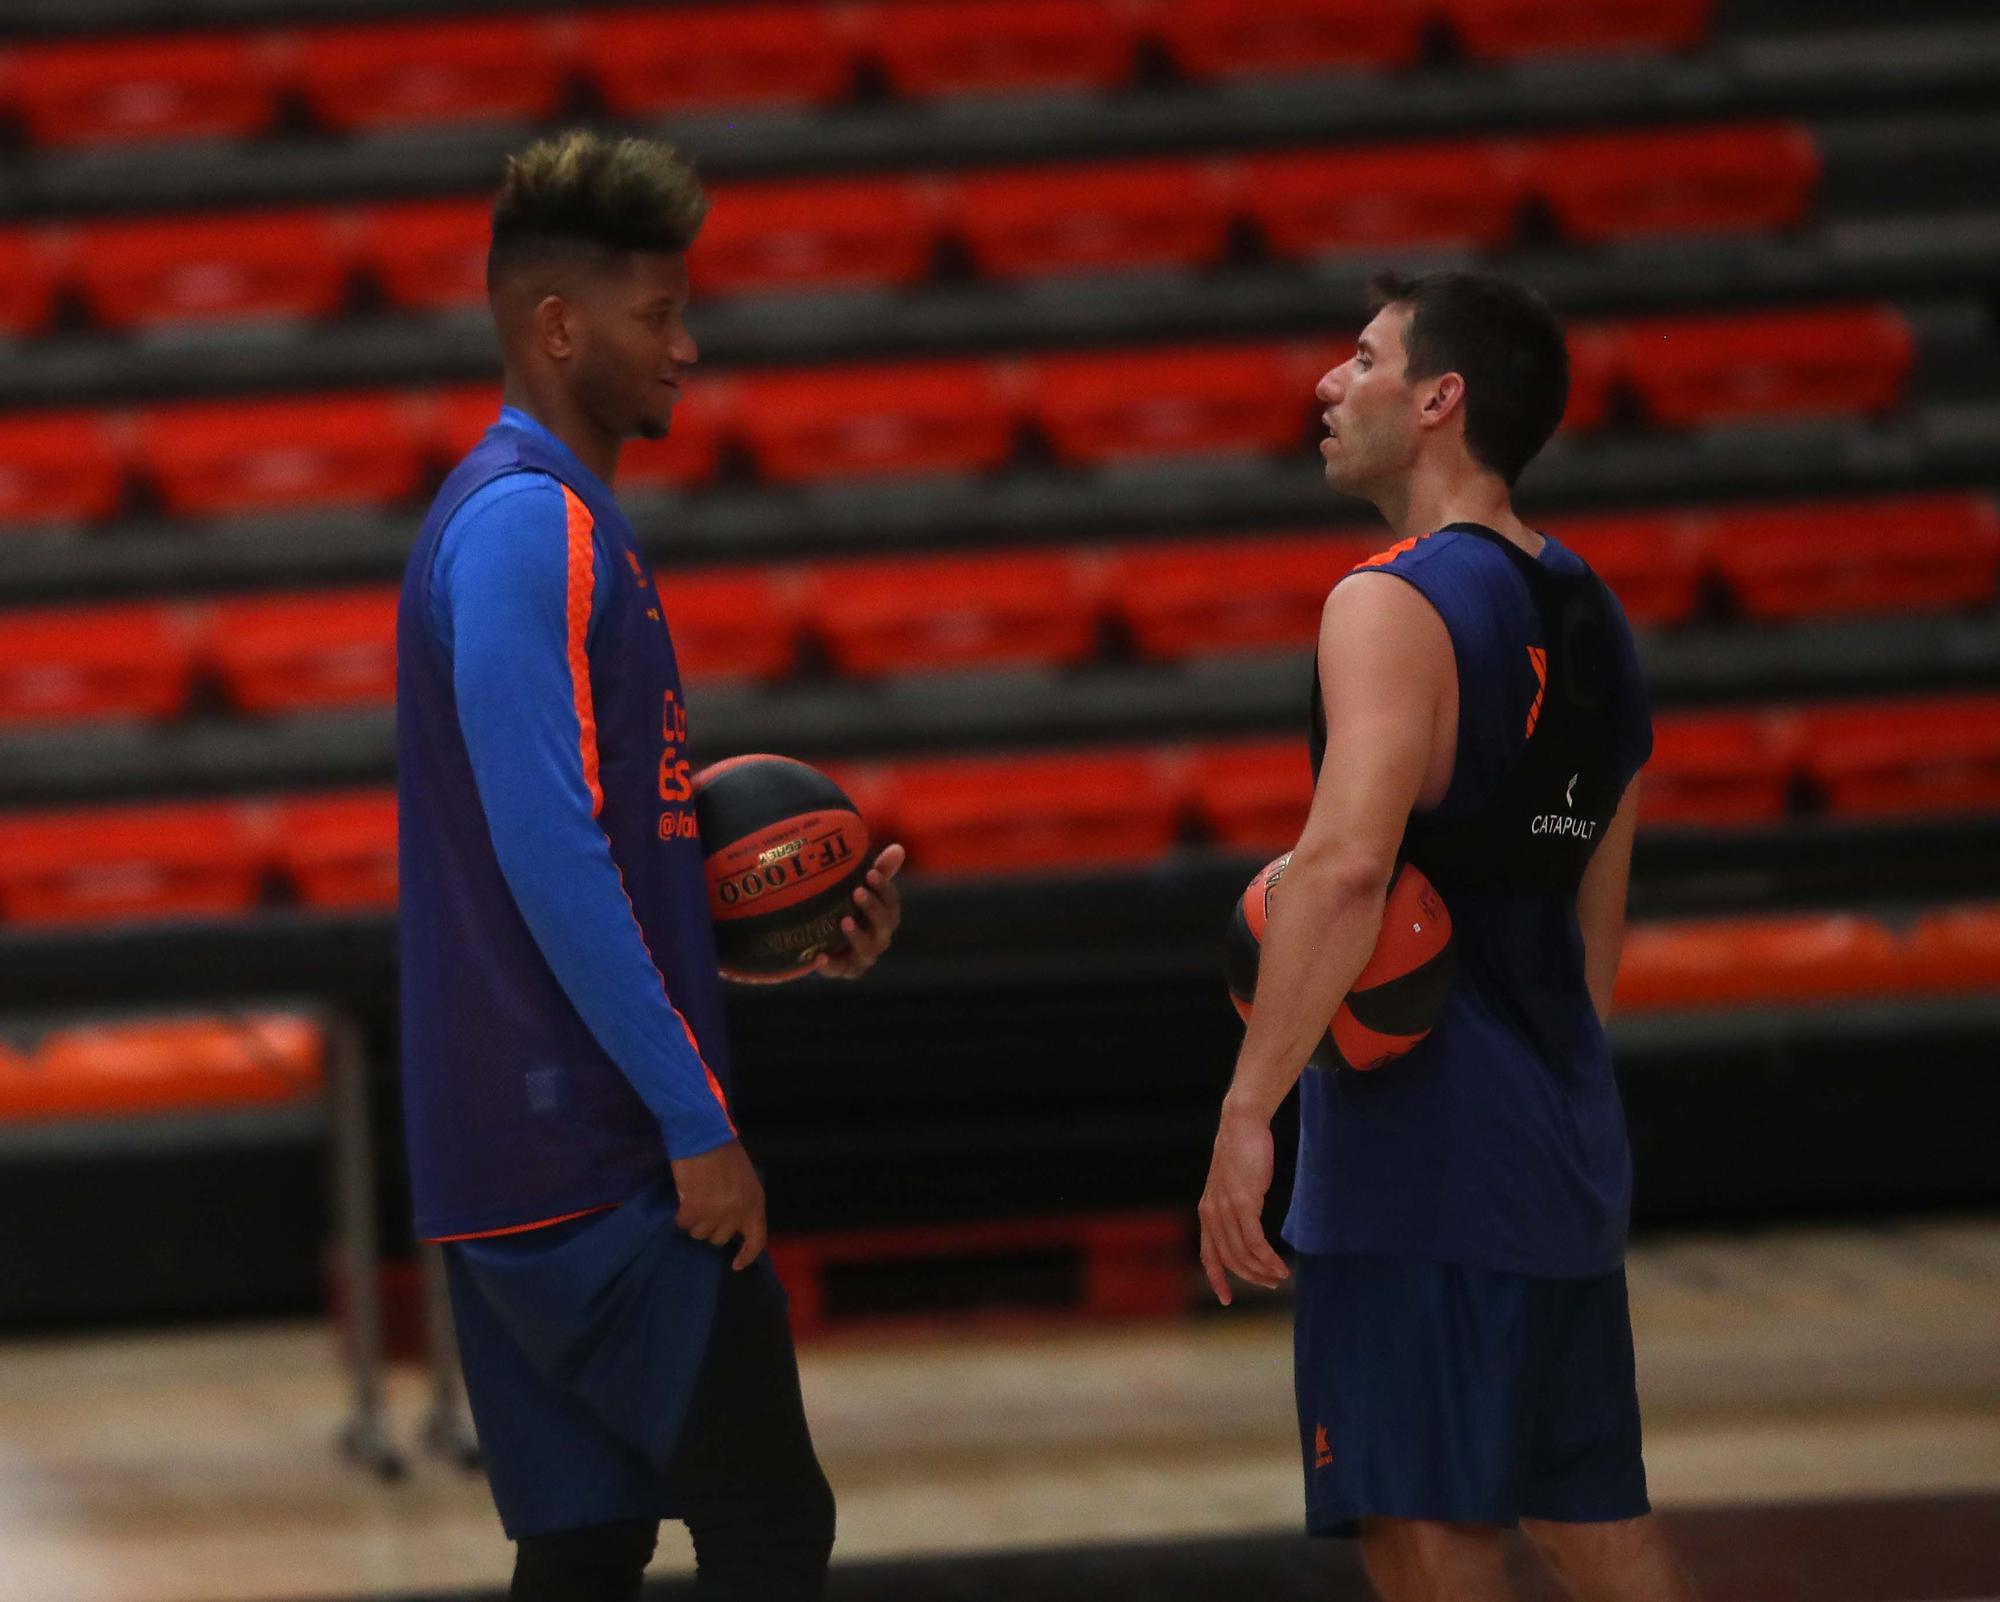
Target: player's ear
{"x":1443,"y":396}
{"x":554,"y":324}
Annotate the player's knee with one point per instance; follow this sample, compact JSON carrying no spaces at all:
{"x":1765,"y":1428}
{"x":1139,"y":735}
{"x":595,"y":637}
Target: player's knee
{"x":600,"y":1563}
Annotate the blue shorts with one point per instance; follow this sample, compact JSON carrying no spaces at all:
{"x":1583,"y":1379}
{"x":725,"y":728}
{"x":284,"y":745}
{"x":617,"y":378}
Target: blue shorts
{"x":582,"y":1343}
{"x":1436,"y":1391}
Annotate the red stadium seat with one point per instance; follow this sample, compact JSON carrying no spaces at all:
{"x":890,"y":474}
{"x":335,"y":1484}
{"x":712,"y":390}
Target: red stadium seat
{"x":1719,"y":768}
{"x":59,"y":467}
{"x":1747,"y":178}
{"x":955,"y":47}
{"x":1197,"y":598}
{"x":1252,"y":795}
{"x":1093,"y":219}
{"x":158,"y":1065}
{"x":31,"y":264}
{"x":848,"y":422}
{"x":428,"y":255}
{"x":1841,"y":360}
{"x":1029,"y":811}
{"x":678,"y":58}
{"x":907,"y":616}
{"x":208,"y":269}
{"x":339,"y":850}
{"x":865,"y":231}
{"x":1919,"y":553}
{"x":1500,"y":30}
{"x":1935,"y":755}
{"x":128,"y":862}
{"x":216,"y":458}
{"x":1652,"y":561}
{"x":731,"y":623}
{"x":692,"y":449}
{"x":420,"y":74}
{"x":1314,"y":202}
{"x":1596,"y":365}
{"x":1107,"y":406}
{"x":1814,"y":956}
{"x":111,"y":91}
{"x":297,"y":652}
{"x":1956,"y":948}
{"x":61,"y":664}
{"x":1214,"y":39}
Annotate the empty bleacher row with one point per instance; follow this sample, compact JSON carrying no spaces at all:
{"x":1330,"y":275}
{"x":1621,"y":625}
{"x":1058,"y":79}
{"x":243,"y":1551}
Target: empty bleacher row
{"x":965,"y":814}
{"x":645,"y":62}
{"x":916,"y":418}
{"x":1049,"y":608}
{"x":888,"y":232}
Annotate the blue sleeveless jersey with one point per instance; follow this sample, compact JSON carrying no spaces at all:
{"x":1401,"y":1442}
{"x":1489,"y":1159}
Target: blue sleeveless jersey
{"x":1499,"y":1141}
{"x":516,"y":1113}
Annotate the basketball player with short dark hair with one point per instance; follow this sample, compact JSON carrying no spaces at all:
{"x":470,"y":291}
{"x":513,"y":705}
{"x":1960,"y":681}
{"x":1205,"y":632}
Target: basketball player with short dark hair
{"x":1463,"y":1345}
{"x":565,"y":1071}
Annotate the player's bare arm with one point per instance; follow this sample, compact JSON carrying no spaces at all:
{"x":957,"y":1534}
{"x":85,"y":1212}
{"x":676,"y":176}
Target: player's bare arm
{"x":1386,"y":667}
{"x":1600,"y":902}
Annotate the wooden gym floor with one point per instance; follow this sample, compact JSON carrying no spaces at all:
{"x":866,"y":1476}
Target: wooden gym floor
{"x":1777,"y":1368}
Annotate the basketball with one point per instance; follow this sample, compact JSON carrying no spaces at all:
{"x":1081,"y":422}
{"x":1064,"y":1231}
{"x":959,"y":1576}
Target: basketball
{"x":1396,"y":998}
{"x":785,"y":849}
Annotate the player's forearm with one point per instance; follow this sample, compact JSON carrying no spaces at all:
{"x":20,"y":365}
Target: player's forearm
{"x":1323,"y":926}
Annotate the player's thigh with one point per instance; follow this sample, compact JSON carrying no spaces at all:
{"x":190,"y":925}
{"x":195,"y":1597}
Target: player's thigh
{"x":1427,"y":1560}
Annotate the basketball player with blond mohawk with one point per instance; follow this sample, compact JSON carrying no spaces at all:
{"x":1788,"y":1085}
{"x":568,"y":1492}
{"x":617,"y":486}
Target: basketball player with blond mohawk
{"x":565,"y":1071}
{"x":1463,"y":1346}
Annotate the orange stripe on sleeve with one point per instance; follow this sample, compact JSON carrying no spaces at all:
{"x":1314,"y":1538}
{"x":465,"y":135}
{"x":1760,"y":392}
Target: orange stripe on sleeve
{"x":582,"y":584}
{"x":1384,"y":558}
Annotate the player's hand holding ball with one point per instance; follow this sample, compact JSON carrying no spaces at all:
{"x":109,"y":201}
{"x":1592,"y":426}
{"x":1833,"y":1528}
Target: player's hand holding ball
{"x":790,"y":883}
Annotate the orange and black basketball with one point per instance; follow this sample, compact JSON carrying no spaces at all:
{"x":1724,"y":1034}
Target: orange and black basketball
{"x":785,"y":850}
{"x":1398,"y":995}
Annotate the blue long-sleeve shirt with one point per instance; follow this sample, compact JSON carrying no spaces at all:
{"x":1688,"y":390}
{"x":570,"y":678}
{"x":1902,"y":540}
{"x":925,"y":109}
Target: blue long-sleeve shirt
{"x":500,"y":602}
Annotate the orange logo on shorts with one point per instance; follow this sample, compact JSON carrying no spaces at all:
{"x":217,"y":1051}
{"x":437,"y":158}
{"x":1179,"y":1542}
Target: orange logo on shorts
{"x":1322,"y":1449}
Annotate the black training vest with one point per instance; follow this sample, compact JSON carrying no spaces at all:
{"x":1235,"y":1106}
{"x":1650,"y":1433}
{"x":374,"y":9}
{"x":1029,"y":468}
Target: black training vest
{"x":1536,"y":833}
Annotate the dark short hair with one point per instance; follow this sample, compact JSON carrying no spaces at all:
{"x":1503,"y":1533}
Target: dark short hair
{"x":579,"y":197}
{"x":1502,"y":339}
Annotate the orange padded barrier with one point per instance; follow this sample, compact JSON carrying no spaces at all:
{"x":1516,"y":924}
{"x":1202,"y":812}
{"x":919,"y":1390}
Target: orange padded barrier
{"x":1109,"y":406}
{"x":30,"y":268}
{"x":1651,"y":560}
{"x":1956,"y":948}
{"x":213,"y":269}
{"x":427,"y":255}
{"x":1719,"y":767}
{"x":157,"y":1065}
{"x":1734,"y":962}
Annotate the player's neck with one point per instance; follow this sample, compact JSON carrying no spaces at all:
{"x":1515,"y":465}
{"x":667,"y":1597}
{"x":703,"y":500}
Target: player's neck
{"x":590,"y":444}
{"x":1431,"y":501}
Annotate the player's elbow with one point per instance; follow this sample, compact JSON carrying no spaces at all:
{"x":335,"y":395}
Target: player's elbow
{"x":1331,"y":874}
